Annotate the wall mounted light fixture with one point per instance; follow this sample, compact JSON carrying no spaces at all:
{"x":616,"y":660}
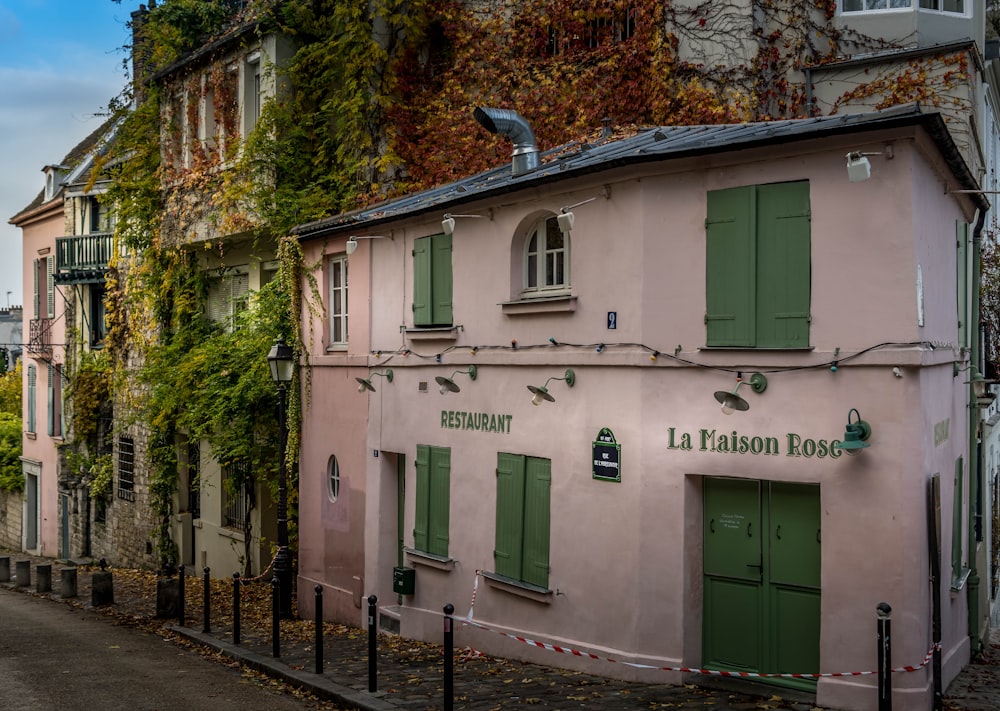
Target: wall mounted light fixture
{"x":448,"y":223}
{"x":366,"y":383}
{"x":352,"y":241}
{"x":448,"y":385}
{"x":541,"y":392}
{"x":566,"y":218}
{"x":859,"y":167}
{"x":976,"y":380}
{"x":731,"y":400}
{"x":856,"y":434}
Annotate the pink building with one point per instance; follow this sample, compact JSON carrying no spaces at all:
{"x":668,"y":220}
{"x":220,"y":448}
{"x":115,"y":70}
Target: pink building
{"x":547,"y":347}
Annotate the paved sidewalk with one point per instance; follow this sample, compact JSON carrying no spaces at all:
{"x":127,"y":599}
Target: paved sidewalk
{"x":410,"y":674}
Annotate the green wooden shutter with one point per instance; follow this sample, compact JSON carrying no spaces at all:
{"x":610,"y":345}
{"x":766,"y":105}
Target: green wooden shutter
{"x":422,"y":296}
{"x":537,"y":487}
{"x":442,"y":280}
{"x":420,"y":522}
{"x":962,"y":274}
{"x":783,"y":266}
{"x":439,"y":501}
{"x":50,"y":286}
{"x":510,"y":514}
{"x":730,"y":266}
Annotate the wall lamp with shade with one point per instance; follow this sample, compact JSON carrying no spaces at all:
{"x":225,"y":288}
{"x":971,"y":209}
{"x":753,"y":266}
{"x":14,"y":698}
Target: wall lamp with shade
{"x":859,"y":168}
{"x":448,"y":223}
{"x":566,"y":218}
{"x":366,"y":383}
{"x":976,"y":380}
{"x":731,"y":400}
{"x":352,"y":241}
{"x":448,"y":385}
{"x":541,"y":392}
{"x":856,"y":434}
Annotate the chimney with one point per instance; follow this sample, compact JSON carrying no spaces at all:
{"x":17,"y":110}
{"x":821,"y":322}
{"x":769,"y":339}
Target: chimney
{"x":512,"y":124}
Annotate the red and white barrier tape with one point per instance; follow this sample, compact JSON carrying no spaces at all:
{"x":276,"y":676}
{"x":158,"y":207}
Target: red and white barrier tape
{"x":693,"y":670}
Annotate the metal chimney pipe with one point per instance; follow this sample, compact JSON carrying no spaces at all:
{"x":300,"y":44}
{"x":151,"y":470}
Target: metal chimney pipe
{"x":511,"y":124}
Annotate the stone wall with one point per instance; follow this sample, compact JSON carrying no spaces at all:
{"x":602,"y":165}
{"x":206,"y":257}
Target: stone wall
{"x":11,"y":508}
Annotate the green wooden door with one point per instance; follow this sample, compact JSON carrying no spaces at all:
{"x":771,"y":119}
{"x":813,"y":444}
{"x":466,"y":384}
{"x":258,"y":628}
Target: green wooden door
{"x":762,"y":578}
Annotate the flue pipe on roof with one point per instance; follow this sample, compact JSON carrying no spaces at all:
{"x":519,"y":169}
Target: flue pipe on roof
{"x":512,"y":124}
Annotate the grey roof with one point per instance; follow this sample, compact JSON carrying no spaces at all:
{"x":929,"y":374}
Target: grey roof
{"x":650,"y":145}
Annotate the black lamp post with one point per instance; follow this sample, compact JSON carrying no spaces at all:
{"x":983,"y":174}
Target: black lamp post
{"x":281,"y":362}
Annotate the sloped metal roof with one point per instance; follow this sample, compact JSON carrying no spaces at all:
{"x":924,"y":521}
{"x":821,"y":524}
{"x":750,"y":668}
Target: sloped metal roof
{"x":650,"y":145}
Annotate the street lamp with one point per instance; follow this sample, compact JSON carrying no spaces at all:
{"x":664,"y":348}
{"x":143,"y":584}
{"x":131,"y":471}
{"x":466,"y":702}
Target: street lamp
{"x":282,"y":364}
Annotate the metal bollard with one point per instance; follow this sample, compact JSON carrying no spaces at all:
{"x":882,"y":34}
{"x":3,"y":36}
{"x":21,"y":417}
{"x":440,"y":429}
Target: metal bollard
{"x":319,"y":629}
{"x":180,"y":596}
{"x":236,"y":608}
{"x":372,"y":645}
{"x":275,"y":617}
{"x":449,"y":657}
{"x":207,"y":603}
{"x":883,"y":613}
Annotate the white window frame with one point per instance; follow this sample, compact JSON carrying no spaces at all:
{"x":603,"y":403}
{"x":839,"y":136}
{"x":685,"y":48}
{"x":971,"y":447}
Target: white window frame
{"x":542,"y":254}
{"x":337,"y":316}
{"x":227,"y":295}
{"x":964,"y":12}
{"x":251,"y":94}
{"x":333,"y":478}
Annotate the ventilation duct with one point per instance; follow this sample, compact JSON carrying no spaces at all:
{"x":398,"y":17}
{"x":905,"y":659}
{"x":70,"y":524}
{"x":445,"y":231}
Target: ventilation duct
{"x":512,"y":124}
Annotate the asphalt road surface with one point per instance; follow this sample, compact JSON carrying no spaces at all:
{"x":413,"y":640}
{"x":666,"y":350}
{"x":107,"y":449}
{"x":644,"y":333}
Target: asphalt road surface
{"x":66,"y":658}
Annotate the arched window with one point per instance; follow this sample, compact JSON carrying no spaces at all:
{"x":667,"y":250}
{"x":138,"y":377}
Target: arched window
{"x":333,"y":477}
{"x":546,"y":258}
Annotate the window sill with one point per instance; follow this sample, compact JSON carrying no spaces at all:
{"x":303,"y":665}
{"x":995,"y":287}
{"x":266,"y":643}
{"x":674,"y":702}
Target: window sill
{"x":791,"y":349}
{"x":31,"y":435}
{"x":231,"y":533}
{"x":433,"y":333}
{"x":517,"y":587}
{"x":339,"y":348}
{"x":431,"y":560}
{"x":564,"y":303}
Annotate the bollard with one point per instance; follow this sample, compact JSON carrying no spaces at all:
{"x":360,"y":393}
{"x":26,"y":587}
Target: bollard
{"x":22,"y":573}
{"x":43,"y":583}
{"x":372,"y":651}
{"x":319,"y":629}
{"x":102,"y":588}
{"x":275,"y":617}
{"x":180,"y":596}
{"x":882,"y":613}
{"x":449,"y":657}
{"x":4,"y":568}
{"x":67,"y":588}
{"x":207,"y":603}
{"x":236,"y":608}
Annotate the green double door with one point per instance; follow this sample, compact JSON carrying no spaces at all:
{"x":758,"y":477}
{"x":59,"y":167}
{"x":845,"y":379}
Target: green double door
{"x":762,"y":578}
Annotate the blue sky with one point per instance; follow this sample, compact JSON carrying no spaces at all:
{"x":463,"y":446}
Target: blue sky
{"x":60,"y":65}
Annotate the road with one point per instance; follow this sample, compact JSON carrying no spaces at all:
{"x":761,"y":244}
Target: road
{"x":62,"y":657}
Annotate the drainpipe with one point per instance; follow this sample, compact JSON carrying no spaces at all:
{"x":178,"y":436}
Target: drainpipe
{"x":975,"y":456}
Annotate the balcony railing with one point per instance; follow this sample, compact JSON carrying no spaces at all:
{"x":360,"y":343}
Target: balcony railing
{"x":40,"y":336}
{"x":83,"y":252}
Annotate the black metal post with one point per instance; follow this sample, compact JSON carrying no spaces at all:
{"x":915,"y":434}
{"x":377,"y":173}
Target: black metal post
{"x":236,"y":608}
{"x":275,"y":617}
{"x":180,"y":596}
{"x":319,"y":629}
{"x":282,"y":561}
{"x":449,"y":657}
{"x":372,"y":646}
{"x":207,"y":603}
{"x":883,"y":612}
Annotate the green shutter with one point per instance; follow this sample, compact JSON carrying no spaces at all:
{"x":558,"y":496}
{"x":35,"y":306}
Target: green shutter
{"x":439,"y":500}
{"x":422,"y":513}
{"x":956,"y":523}
{"x":441,"y":288}
{"x":962,"y":273}
{"x":422,"y":313}
{"x":783,"y":266}
{"x":730,"y":265}
{"x":537,"y":487}
{"x":510,"y":514}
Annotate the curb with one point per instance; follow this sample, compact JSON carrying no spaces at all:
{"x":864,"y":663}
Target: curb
{"x":317,"y":684}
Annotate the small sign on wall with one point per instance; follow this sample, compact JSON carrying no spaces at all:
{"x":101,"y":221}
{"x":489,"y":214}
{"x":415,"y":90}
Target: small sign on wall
{"x":607,"y":457}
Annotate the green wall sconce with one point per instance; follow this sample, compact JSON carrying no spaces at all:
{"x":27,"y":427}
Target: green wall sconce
{"x":856,"y":434}
{"x":448,"y":385}
{"x":731,"y":400}
{"x":366,"y":383}
{"x":541,"y":392}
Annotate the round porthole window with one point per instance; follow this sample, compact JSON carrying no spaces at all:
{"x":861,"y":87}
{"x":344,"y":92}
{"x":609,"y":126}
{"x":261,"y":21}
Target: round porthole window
{"x":333,"y":477}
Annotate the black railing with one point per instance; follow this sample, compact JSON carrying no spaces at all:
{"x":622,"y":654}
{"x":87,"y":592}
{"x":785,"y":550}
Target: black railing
{"x":83,"y":252}
{"x":40,"y":335}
